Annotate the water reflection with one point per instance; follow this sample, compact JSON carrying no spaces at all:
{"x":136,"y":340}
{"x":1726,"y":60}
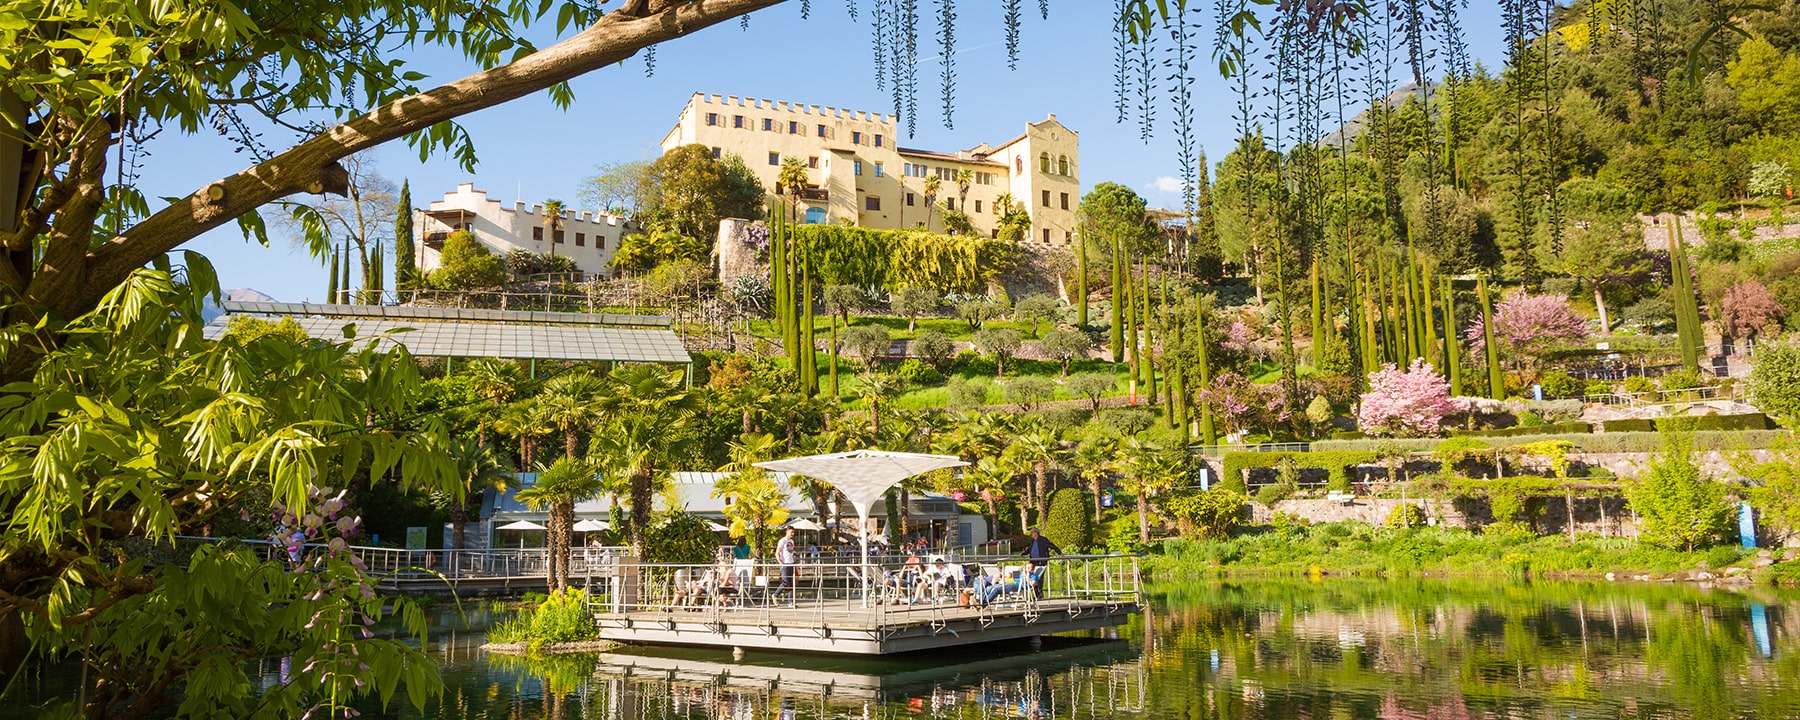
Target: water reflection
{"x":1383,"y":650}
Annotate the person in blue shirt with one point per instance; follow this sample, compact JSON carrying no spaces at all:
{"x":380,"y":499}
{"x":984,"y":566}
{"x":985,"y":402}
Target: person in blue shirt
{"x":1039,"y":551}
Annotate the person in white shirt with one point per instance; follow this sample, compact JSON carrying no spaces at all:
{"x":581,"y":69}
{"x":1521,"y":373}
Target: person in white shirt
{"x":784,"y":554}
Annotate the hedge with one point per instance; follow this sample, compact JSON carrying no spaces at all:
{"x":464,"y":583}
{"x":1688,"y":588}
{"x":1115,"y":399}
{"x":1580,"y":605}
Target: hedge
{"x":1336,"y":463}
{"x":1610,"y":442}
{"x":1551,"y":429}
{"x":1747,"y":421}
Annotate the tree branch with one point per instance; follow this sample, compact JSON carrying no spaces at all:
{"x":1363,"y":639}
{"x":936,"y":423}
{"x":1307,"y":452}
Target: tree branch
{"x":311,"y":166}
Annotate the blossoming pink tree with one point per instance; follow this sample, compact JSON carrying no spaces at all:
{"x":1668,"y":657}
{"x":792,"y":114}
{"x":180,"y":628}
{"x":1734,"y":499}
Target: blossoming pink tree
{"x":1242,"y":405}
{"x":1405,"y":403}
{"x":1748,"y":309}
{"x":1525,"y":325}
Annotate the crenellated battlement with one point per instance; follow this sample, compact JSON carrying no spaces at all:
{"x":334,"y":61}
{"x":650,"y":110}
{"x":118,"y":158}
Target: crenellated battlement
{"x":792,"y":108}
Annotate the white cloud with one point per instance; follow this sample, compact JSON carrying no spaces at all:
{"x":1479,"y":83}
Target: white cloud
{"x":1166,"y":184}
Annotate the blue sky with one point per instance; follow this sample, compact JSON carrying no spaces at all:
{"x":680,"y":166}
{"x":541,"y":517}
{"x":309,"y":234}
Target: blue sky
{"x":530,"y":150}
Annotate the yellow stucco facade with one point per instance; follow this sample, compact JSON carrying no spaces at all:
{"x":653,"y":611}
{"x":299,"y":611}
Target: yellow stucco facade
{"x":860,"y":173}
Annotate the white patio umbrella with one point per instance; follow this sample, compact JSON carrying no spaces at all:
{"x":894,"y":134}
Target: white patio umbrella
{"x":805,"y":524}
{"x":715,"y":527}
{"x":591,"y":526}
{"x":863,"y":476}
{"x":521,"y":525}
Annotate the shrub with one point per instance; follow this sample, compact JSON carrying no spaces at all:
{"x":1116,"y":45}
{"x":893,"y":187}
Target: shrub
{"x":1127,"y":421}
{"x":867,"y":342}
{"x":1775,"y":380}
{"x":1722,"y":556}
{"x":1071,"y":520}
{"x":1629,"y":425}
{"x":1529,"y":419}
{"x":1212,"y":513}
{"x":1684,"y":379}
{"x":1062,"y":417}
{"x":1337,"y":464}
{"x":1639,"y":384}
{"x":1744,"y":421}
{"x":1064,"y":344}
{"x":1597,"y":388}
{"x":563,"y":617}
{"x":1027,"y":392}
{"x":934,"y":346}
{"x":1273,"y":493}
{"x":1556,"y":411}
{"x":1092,"y":386}
{"x":1559,"y":384}
{"x":464,"y":263}
{"x":972,"y":363}
{"x":1407,"y":515}
{"x":1680,"y":507}
{"x":1539,"y":429}
{"x":1122,"y":535}
{"x":966,"y":394}
{"x":1000,"y":343}
{"x":916,"y":372}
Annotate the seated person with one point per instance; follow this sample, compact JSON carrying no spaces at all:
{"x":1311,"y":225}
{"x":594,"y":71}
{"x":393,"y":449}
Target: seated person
{"x":935,"y":580}
{"x":1011,"y":580}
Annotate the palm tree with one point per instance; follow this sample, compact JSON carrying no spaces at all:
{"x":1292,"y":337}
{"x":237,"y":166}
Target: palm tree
{"x":527,"y":421}
{"x":1090,"y":461}
{"x":932,"y":185}
{"x":1040,"y":448}
{"x":569,"y":403}
{"x":650,"y":419}
{"x":1147,"y":471}
{"x":793,"y":177}
{"x":877,"y":388}
{"x":476,"y":468}
{"x":553,"y":222}
{"x":559,"y":486}
{"x":497,"y":381}
{"x":990,"y":478}
{"x":754,"y":502}
{"x":964,"y":179}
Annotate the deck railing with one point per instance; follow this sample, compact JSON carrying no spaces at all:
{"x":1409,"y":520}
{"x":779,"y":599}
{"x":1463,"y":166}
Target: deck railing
{"x":818,"y":594}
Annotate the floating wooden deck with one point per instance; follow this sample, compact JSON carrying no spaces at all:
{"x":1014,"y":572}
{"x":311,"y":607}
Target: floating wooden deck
{"x":827,"y":614}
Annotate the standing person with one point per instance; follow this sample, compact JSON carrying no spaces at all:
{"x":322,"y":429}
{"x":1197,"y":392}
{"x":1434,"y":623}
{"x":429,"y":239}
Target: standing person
{"x":741,"y":550}
{"x":784,"y":554}
{"x":1039,"y":551}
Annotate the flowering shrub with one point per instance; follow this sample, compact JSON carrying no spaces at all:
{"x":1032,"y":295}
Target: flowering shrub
{"x":1241,"y":405}
{"x":1526,"y":324}
{"x":1410,"y":403}
{"x":1747,"y":309}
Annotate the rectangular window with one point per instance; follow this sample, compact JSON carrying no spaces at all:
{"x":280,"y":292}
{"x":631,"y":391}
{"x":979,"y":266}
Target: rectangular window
{"x":768,"y":125}
{"x":871,"y":203}
{"x":855,"y":137}
{"x":812,"y":162}
{"x":600,"y":241}
{"x":856,"y":168}
{"x":977,"y":206}
{"x":712,"y":118}
{"x":1046,"y":198}
{"x":793,"y":127}
{"x":737,"y":122}
{"x":950,"y":204}
{"x":1065,"y":201}
{"x":774,"y":158}
{"x":1068,"y":237}
{"x":909,"y":199}
{"x":821,"y":131}
{"x":877,"y":141}
{"x":559,"y":237}
{"x":580,"y":239}
{"x":537,"y":233}
{"x":717,"y":153}
{"x":878,"y":170}
{"x":1046,"y":236}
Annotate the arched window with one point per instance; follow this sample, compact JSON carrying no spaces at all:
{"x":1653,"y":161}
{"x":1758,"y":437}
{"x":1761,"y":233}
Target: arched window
{"x":1044,"y":163}
{"x":1062,"y":164}
{"x":814,"y":216}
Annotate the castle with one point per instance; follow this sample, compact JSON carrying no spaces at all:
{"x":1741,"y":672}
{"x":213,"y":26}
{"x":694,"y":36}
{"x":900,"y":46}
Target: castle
{"x":858,"y":173}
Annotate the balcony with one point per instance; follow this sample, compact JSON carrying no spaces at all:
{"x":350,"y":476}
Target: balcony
{"x":814,"y":194}
{"x":435,"y":240}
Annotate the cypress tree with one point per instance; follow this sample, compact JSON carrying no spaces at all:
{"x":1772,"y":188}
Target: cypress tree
{"x":1427,"y":308}
{"x":1125,"y":304}
{"x":1207,"y":435}
{"x":1147,"y":364}
{"x":331,"y":293}
{"x":349,"y":298}
{"x":1687,"y":311}
{"x":1116,"y":333}
{"x":405,"y":265}
{"x":375,"y":278}
{"x":1452,"y":351}
{"x":1178,"y":399}
{"x":809,"y":354}
{"x":832,"y":353}
{"x":1496,"y":380}
{"x":1081,"y":288}
{"x":1318,"y":325}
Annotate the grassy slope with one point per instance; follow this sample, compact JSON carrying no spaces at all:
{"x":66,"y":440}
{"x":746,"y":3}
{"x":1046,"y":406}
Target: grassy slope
{"x":1356,"y":549}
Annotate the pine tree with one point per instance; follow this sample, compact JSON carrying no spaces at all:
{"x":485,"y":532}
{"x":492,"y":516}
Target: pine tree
{"x":405,"y":265}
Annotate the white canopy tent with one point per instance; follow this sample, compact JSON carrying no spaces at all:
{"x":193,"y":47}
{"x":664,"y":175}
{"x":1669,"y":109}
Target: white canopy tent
{"x":863,"y":476}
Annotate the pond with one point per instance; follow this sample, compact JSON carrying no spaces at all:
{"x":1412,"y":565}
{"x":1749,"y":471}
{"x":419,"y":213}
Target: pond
{"x":1237,"y":649}
{"x":1276,"y":649}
